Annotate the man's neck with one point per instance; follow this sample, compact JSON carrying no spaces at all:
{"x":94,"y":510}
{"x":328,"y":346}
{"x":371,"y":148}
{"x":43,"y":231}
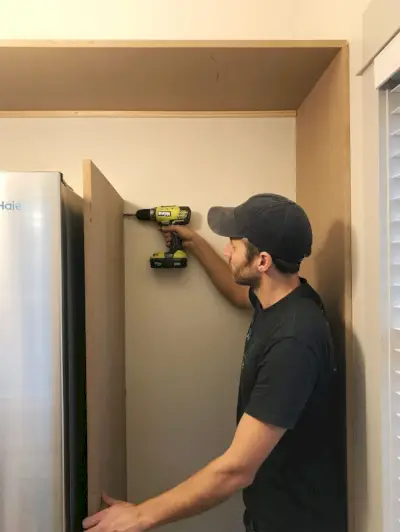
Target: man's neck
{"x":273,"y":289}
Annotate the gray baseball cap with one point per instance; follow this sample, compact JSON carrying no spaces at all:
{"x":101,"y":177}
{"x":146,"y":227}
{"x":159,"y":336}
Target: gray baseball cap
{"x":271,"y":222}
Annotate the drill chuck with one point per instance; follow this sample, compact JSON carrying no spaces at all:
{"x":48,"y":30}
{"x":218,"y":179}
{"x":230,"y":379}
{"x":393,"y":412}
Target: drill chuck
{"x":145,"y":214}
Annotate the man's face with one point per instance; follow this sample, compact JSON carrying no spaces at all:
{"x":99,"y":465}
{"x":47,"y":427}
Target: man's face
{"x":244,"y":272}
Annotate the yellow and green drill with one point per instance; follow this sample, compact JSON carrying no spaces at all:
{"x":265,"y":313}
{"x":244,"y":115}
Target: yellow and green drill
{"x":167,"y":215}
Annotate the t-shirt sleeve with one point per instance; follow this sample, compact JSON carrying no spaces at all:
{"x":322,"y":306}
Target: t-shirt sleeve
{"x":285,"y":380}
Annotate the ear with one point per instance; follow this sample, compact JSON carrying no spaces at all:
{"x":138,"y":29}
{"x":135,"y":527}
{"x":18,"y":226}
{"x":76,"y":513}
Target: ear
{"x":265,"y":262}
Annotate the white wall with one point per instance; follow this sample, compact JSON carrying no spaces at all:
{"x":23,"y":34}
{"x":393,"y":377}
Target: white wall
{"x":381,"y":22}
{"x":138,"y":19}
{"x":184,"y":342}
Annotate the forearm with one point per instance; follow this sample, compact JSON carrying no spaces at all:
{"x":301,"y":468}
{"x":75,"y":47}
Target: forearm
{"x":209,"y":487}
{"x":219,"y":272}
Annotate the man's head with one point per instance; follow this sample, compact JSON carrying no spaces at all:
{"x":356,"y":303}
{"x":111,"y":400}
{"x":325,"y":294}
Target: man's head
{"x":267,"y":233}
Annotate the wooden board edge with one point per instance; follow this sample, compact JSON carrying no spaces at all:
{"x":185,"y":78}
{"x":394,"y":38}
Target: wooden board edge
{"x":92,"y":470}
{"x":284,"y":43}
{"x":95,"y":473}
{"x":345,"y":299}
{"x":350,"y":339}
{"x":86,"y":171}
{"x":87,"y":165}
{"x":148,"y":114}
{"x":87,"y":189}
{"x":345,"y":54}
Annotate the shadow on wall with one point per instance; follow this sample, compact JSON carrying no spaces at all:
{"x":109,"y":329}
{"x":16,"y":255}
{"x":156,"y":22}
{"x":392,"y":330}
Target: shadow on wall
{"x":330,"y":275}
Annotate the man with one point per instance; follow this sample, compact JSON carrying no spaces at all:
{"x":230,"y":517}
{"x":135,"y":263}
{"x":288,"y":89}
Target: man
{"x":284,"y":455}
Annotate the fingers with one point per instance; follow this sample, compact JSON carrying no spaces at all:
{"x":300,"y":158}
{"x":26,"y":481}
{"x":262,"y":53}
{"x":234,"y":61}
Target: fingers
{"x":167,"y":234}
{"x":174,"y":229}
{"x":92,"y":520}
{"x":95,"y":529}
{"x":109,"y":500}
{"x":167,"y":229}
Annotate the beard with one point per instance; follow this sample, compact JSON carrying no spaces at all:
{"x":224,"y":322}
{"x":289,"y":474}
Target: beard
{"x":244,"y":277}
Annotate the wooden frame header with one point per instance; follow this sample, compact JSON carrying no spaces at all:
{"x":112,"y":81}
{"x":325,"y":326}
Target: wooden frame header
{"x":160,"y":78}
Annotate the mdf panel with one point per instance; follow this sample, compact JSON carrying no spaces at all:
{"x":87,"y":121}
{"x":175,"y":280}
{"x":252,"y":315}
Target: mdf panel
{"x":141,"y":77}
{"x":323,"y":185}
{"x":323,"y":190}
{"x":105,"y":332}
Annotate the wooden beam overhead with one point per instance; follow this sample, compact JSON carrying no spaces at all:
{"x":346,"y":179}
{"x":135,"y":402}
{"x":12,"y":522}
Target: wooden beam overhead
{"x":160,"y":76}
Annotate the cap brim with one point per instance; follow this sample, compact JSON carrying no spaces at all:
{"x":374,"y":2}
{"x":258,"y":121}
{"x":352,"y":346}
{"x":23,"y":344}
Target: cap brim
{"x":221,"y":221}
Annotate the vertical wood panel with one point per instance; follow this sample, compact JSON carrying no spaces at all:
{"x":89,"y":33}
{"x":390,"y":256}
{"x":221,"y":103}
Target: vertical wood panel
{"x":105,"y":330}
{"x":323,"y":189}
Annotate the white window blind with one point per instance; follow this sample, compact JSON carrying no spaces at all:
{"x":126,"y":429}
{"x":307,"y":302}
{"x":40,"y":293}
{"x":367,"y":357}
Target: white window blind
{"x":392,"y":151}
{"x":387,"y":82}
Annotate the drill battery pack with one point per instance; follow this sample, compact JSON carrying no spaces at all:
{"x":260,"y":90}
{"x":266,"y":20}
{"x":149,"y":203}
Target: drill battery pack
{"x":169,"y":260}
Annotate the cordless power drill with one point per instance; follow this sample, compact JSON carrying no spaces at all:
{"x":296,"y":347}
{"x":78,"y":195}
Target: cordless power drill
{"x":166,"y":215}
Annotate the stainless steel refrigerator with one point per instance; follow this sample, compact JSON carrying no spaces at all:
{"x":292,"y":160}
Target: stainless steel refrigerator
{"x":43,"y":452}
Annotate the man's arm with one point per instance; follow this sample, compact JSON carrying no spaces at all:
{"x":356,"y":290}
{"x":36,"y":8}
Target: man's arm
{"x":217,"y":482}
{"x":215,"y":266}
{"x":220,"y":479}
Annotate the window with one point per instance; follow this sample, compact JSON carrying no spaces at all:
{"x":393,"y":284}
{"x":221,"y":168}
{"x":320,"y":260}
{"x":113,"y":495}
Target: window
{"x":387,"y":82}
{"x":390,"y":190}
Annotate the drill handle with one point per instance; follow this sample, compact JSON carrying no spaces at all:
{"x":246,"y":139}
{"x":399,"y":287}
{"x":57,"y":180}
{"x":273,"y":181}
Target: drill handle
{"x":176,"y":243}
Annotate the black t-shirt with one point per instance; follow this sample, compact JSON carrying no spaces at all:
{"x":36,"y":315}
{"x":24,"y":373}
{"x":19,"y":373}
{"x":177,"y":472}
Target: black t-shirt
{"x":290,"y":379}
